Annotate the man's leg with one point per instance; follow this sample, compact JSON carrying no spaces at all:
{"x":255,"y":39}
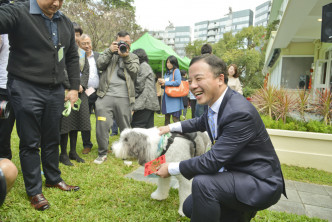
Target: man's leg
{"x":6,"y":127}
{"x":50,"y":133}
{"x":122,"y":112}
{"x":143,"y":119}
{"x":104,"y":121}
{"x":213,"y":199}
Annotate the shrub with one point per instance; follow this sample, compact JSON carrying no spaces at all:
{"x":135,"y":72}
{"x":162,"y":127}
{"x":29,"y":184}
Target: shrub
{"x":324,"y":105}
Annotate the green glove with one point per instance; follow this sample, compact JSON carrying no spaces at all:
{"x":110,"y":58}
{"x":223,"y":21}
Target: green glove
{"x":76,"y":107}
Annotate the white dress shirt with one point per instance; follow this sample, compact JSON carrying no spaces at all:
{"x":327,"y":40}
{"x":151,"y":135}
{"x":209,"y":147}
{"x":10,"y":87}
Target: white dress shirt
{"x":93,"y":73}
{"x":174,"y":167}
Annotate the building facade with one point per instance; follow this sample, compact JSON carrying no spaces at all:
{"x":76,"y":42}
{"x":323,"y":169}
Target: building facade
{"x":212,"y":31}
{"x":176,"y":37}
{"x":262,"y":13}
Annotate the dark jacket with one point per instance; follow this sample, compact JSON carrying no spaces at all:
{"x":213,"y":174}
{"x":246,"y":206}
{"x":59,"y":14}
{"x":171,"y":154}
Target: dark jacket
{"x":244,"y":148}
{"x":33,"y":56}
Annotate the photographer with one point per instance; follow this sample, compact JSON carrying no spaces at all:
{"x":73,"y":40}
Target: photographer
{"x":116,"y":92}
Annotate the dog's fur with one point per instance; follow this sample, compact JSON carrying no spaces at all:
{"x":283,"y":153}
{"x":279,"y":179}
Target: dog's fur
{"x":142,"y":144}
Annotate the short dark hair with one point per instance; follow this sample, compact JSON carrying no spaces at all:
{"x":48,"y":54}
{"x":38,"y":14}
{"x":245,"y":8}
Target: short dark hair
{"x":206,"y":49}
{"x":217,"y":65}
{"x":122,"y":34}
{"x":236,"y":74}
{"x":77,"y":28}
{"x":174,"y":61}
{"x":183,"y":72}
{"x":142,"y":56}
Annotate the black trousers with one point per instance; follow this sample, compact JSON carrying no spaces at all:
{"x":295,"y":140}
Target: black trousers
{"x":37,"y":110}
{"x":193,"y":107}
{"x":213,"y":199}
{"x":86,"y":135}
{"x":143,"y":119}
{"x":6,"y":128}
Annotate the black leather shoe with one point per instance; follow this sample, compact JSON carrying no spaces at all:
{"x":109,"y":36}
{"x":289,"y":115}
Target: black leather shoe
{"x":65,"y":160}
{"x":63,"y":186}
{"x":75,"y":156}
{"x":39,"y":202}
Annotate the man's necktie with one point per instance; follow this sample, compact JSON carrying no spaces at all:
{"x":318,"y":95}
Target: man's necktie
{"x":211,"y":122}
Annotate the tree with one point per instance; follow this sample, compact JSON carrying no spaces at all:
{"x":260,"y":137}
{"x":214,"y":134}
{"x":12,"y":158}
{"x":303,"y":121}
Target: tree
{"x":243,"y":49}
{"x":116,"y":4}
{"x":102,"y":23}
{"x":194,"y":49}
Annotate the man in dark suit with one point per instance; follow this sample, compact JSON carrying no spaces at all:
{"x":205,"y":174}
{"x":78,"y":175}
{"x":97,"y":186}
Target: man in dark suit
{"x":86,"y":45}
{"x":241,"y":173}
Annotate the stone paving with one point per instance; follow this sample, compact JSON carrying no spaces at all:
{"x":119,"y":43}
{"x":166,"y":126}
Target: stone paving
{"x":303,"y":198}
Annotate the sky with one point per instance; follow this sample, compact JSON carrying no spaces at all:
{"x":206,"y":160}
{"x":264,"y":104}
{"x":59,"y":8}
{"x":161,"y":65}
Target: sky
{"x":155,"y":14}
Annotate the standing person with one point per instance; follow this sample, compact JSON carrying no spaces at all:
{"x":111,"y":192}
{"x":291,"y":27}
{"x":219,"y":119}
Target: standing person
{"x":159,"y":91}
{"x":200,"y":109}
{"x":171,"y":106}
{"x":91,"y":90}
{"x":146,"y":102}
{"x":77,"y":120}
{"x":36,"y":66}
{"x":185,"y":98}
{"x":6,"y":125}
{"x":233,"y":79}
{"x":241,"y":173}
{"x":116,"y":91}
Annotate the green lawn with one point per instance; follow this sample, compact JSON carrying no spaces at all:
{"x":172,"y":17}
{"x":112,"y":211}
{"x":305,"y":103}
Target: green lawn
{"x":106,"y":195}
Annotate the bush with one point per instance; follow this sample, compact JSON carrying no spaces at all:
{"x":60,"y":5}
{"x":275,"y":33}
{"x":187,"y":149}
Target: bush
{"x":296,"y":125}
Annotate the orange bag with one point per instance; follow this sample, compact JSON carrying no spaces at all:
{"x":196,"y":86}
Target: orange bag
{"x":177,"y":91}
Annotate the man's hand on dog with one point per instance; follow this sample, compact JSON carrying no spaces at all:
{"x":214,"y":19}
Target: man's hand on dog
{"x":163,"y":130}
{"x":163,"y":171}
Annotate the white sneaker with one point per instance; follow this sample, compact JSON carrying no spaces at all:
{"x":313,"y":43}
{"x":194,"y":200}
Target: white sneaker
{"x":100,"y":159}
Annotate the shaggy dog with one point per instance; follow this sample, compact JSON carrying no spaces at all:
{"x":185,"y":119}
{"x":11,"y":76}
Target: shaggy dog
{"x":142,"y":144}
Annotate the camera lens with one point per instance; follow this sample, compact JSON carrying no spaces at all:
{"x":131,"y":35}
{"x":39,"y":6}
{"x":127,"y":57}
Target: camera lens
{"x":123,"y":48}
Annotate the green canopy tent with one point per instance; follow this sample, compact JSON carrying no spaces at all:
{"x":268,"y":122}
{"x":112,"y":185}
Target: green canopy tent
{"x":158,"y":52}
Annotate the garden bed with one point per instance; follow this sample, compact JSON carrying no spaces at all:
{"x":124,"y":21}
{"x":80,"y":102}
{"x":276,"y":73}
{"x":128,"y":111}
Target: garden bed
{"x":304,"y":149}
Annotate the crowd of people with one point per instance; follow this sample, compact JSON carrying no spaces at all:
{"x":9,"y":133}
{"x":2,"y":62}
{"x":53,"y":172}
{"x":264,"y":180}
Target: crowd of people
{"x":54,"y":62}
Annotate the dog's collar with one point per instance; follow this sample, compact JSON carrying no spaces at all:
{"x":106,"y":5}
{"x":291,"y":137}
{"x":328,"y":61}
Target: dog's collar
{"x":162,"y":144}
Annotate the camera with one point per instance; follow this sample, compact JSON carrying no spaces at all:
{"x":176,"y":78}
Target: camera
{"x":123,"y":46}
{"x":4,"y":109}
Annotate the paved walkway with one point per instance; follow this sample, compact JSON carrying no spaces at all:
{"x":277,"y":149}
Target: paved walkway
{"x":303,"y":198}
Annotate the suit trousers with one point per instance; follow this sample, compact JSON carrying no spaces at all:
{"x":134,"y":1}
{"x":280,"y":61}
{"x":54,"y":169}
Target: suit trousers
{"x":6,"y":128}
{"x":213,"y":199}
{"x":86,"y":135}
{"x":107,"y":109}
{"x":37,"y":110}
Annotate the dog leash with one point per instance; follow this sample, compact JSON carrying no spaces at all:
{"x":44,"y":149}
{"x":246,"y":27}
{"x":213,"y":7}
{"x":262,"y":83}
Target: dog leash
{"x":162,"y":144}
{"x":76,"y":107}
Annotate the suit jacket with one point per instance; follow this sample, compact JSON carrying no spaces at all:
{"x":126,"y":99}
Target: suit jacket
{"x":96,"y":56}
{"x":244,"y":148}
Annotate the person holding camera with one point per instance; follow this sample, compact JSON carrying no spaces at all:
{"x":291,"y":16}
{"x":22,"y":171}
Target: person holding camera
{"x":116,"y":91}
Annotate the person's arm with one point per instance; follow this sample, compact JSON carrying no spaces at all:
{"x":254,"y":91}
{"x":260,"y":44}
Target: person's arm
{"x":177,"y":79}
{"x":104,"y":59}
{"x":85,"y":74}
{"x":237,"y":131}
{"x":238,"y":86}
{"x":73,"y":69}
{"x":9,"y":17}
{"x":131,"y":63}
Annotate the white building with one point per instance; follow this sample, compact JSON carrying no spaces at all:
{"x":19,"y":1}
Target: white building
{"x":212,"y":31}
{"x":262,"y":13}
{"x":176,"y":37}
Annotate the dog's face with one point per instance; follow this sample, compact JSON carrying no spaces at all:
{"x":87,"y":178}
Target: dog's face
{"x":132,"y":144}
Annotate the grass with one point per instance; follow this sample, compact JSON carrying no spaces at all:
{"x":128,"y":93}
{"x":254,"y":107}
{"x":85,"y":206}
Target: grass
{"x":106,"y":195}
